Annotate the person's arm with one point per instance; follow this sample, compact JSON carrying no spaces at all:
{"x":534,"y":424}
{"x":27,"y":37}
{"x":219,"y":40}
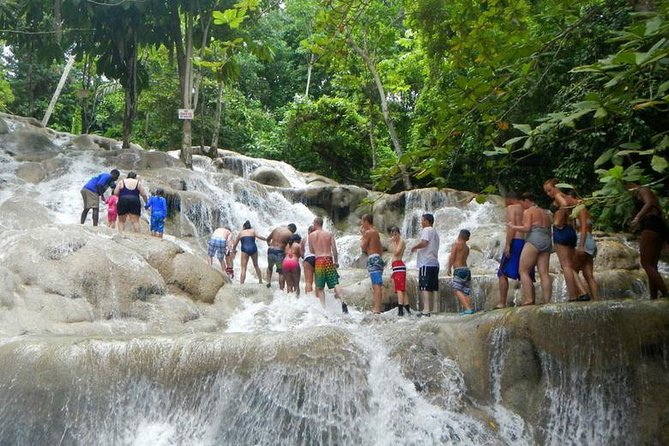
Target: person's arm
{"x":451,"y":258}
{"x":117,"y":189}
{"x":364,"y":242}
{"x":148,"y":203}
{"x":335,"y":254}
{"x":234,"y":248}
{"x":582,"y":229}
{"x":102,"y":184}
{"x":264,"y":239}
{"x":509,"y":233}
{"x":422,"y":244}
{"x":142,"y":192}
{"x":527,"y":223}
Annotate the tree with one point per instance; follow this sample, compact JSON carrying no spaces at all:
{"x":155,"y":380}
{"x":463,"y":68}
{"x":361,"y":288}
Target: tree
{"x":356,"y":25}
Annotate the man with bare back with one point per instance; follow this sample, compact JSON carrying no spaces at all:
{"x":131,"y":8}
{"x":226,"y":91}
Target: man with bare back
{"x":276,"y":242}
{"x":513,"y":246}
{"x":324,"y":247}
{"x":370,"y":244}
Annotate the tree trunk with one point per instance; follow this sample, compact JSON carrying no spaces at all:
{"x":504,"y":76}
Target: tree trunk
{"x":310,"y":66}
{"x":217,"y":118}
{"x":371,"y":66}
{"x":186,"y":74}
{"x":131,"y":88}
{"x":372,"y":137}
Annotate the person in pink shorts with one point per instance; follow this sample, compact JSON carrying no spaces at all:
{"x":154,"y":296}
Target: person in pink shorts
{"x":112,"y":211}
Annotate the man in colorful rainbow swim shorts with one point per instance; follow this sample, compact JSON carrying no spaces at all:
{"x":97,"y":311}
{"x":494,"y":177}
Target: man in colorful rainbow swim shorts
{"x":324,"y":247}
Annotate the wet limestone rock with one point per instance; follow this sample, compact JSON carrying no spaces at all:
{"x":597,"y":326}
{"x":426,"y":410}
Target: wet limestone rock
{"x":22,"y":213}
{"x":270,"y":177}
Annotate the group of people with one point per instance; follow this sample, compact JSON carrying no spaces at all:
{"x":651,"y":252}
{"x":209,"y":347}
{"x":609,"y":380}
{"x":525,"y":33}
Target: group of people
{"x":124,"y":202}
{"x":285,"y":248}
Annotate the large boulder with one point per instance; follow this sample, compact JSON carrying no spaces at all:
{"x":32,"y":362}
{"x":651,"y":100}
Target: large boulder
{"x":29,"y":144}
{"x":22,"y":212}
{"x":270,"y":177}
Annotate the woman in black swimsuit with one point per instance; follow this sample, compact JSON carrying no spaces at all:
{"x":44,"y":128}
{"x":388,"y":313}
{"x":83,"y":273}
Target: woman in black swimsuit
{"x":654,"y":235}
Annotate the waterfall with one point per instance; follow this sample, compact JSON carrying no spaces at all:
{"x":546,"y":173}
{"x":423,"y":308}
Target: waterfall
{"x":257,"y":366}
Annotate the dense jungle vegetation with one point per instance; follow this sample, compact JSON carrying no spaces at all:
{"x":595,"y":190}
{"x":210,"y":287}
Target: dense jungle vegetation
{"x":481,"y":95}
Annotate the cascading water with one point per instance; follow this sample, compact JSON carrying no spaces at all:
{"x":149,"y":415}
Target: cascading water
{"x":281,"y":370}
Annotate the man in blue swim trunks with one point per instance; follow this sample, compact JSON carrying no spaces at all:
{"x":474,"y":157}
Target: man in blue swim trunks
{"x":513,"y":246}
{"x":370,"y":244}
{"x":276,"y":251}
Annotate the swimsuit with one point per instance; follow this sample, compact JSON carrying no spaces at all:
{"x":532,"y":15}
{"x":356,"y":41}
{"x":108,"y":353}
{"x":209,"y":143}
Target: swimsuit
{"x":128,"y":201}
{"x":325,"y":273}
{"x":309,"y":256}
{"x":249,"y":244}
{"x":157,"y":223}
{"x":399,"y":275}
{"x":564,"y":236}
{"x":655,"y":223}
{"x":112,"y":211}
{"x":509,"y":266}
{"x":540,"y":238}
{"x":216,"y":245}
{"x":275,"y":257}
{"x":290,"y":263}
{"x":462,"y":280}
{"x":375,"y":266}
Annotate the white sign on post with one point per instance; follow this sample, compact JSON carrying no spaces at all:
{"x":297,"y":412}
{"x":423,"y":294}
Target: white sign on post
{"x":186,"y":113}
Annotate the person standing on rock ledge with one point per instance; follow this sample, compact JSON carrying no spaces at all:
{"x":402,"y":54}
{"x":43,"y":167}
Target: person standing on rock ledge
{"x":324,"y":247}
{"x":94,"y":191}
{"x":399,"y":274}
{"x":370,"y":244}
{"x":428,"y":264}
{"x":462,"y":276}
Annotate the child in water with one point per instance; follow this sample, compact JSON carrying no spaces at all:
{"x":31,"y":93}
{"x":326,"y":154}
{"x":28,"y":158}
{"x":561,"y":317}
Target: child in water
{"x":112,"y":210}
{"x":158,"y":206}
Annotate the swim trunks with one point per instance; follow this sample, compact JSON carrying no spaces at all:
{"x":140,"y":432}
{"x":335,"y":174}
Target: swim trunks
{"x":428,"y":278}
{"x":157,"y":223}
{"x":540,"y":238}
{"x":217,"y":246}
{"x":311,"y":260}
{"x":564,"y":236}
{"x":399,"y":275}
{"x":509,"y":266}
{"x":275,"y":257}
{"x":325,"y":273}
{"x":462,"y":280}
{"x":290,"y":263}
{"x":375,"y":266}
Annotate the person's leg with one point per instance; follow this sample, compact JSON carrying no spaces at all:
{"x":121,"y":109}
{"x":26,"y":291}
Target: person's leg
{"x":296,"y":279}
{"x":84,"y":214}
{"x":650,"y":249}
{"x":339,"y":292}
{"x":589,"y":274}
{"x":528,"y":258}
{"x":96,"y":216}
{"x":242,"y":270}
{"x":464,"y":300}
{"x":503,"y":290}
{"x":377,"y":293}
{"x":254,"y":257}
{"x":282,"y":280}
{"x":566,"y":256}
{"x":121,"y":223}
{"x":134,"y":220}
{"x":308,"y":277}
{"x":546,"y":285}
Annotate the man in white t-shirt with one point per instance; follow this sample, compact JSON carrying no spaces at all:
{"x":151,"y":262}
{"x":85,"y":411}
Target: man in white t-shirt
{"x":428,"y":263}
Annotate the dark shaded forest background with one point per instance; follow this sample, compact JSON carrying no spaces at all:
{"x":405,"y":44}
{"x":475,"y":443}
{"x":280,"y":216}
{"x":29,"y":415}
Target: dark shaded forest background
{"x":486,"y":96}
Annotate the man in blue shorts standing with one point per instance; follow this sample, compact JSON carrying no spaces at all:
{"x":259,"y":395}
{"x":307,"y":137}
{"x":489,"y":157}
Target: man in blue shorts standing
{"x":370,"y":244}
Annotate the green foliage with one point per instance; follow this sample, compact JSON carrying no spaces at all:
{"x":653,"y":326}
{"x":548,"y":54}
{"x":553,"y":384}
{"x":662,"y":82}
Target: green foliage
{"x":328,"y":136}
